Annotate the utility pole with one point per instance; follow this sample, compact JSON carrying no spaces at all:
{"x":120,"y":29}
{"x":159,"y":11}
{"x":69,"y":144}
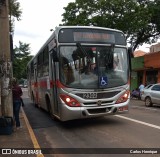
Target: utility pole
{"x":6,"y":107}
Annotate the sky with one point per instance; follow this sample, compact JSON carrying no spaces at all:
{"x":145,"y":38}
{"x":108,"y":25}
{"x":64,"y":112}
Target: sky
{"x":38,"y":18}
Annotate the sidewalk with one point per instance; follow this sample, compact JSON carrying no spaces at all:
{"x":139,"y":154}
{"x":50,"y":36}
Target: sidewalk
{"x":22,"y":140}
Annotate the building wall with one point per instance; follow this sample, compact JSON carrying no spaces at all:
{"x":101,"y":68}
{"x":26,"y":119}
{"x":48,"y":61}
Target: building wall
{"x":134,"y":80}
{"x":155,"y":48}
{"x":152,"y":60}
{"x":146,"y":69}
{"x":152,"y":66}
{"x":137,"y":64}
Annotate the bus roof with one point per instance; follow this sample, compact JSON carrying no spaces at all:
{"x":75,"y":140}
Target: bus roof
{"x":90,"y":27}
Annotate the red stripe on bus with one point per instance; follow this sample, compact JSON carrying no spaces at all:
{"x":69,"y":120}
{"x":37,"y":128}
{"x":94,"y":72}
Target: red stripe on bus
{"x":43,"y":84}
{"x":35,"y":84}
{"x":51,"y":83}
{"x":59,"y":84}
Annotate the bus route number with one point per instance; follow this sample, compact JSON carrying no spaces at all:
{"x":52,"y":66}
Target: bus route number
{"x":90,"y":95}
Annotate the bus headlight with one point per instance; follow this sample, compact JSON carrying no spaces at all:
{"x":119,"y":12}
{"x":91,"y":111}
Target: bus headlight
{"x":69,"y":100}
{"x":123,"y":98}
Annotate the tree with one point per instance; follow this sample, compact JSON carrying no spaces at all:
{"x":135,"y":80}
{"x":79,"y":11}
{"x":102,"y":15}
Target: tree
{"x":14,"y":12}
{"x":21,"y":57}
{"x":138,"y":19}
{"x":6,"y":107}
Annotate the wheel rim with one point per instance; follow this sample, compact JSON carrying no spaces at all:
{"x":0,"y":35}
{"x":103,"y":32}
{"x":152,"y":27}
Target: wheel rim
{"x":148,"y":102}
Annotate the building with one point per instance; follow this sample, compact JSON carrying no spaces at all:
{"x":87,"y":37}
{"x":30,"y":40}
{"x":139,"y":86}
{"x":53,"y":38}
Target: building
{"x":139,"y":53}
{"x":146,"y":68}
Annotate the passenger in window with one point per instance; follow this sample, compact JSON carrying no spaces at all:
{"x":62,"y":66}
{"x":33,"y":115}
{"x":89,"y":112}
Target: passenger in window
{"x":68,"y":76}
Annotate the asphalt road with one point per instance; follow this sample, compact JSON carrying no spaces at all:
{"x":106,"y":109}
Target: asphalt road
{"x":139,"y":129}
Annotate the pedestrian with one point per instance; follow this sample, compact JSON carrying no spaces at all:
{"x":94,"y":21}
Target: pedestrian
{"x":22,"y":102}
{"x":16,"y":93}
{"x":135,"y":93}
{"x":141,"y":87}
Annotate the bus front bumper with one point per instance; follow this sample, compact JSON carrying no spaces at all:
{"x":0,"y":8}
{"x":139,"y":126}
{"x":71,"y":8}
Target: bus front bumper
{"x":70,"y":113}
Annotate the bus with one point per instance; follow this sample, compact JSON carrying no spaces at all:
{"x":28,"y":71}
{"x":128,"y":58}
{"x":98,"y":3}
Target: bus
{"x":81,"y":72}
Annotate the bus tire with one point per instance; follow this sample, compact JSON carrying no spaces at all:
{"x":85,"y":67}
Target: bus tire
{"x":48,"y":105}
{"x":48,"y":102}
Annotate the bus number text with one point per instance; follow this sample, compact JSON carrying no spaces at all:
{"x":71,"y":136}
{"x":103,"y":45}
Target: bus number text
{"x":90,"y":95}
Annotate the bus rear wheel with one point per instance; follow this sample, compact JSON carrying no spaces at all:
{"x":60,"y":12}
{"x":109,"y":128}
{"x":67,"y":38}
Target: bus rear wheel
{"x":48,"y":105}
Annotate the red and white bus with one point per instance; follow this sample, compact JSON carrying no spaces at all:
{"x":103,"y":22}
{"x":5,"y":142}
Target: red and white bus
{"x":81,"y":72}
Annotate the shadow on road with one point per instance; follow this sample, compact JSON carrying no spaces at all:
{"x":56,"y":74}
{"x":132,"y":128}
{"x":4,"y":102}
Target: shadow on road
{"x":39,"y":118}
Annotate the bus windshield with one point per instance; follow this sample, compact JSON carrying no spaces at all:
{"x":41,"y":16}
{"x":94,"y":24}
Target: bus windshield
{"x":93,"y":67}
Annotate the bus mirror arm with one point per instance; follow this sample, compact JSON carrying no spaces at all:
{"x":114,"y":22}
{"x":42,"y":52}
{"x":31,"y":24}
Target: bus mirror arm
{"x":130,"y":54}
{"x":54,"y":55}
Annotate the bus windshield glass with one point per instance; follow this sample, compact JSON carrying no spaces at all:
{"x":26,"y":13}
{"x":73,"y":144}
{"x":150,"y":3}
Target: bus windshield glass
{"x":93,"y":66}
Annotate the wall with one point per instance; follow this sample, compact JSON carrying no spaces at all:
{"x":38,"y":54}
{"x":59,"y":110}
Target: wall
{"x":137,"y":64}
{"x":134,"y":80}
{"x":152,"y":60}
{"x":146,"y":66}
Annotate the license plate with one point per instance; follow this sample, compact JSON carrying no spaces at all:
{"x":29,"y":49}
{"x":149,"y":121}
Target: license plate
{"x":90,"y":95}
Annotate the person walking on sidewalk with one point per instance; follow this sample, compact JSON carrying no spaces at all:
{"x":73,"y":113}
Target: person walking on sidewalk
{"x":22,"y":102}
{"x":17,"y":93}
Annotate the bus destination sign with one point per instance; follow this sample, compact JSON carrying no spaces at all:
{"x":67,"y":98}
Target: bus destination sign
{"x":94,"y":37}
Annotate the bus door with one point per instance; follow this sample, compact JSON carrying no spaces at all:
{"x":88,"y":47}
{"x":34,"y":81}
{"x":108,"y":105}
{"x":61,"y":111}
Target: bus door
{"x":54,"y":87}
{"x":35,"y":84}
{"x":29,"y":74}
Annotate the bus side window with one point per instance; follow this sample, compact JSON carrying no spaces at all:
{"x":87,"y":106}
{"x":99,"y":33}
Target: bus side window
{"x":40,"y":65}
{"x":46,"y":62}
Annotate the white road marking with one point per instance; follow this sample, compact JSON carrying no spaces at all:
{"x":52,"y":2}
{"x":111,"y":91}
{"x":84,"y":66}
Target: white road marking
{"x":140,"y":122}
{"x":146,"y":108}
{"x":31,"y":133}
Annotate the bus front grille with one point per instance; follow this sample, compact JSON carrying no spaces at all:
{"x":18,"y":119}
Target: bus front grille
{"x":99,"y":110}
{"x":96,"y":104}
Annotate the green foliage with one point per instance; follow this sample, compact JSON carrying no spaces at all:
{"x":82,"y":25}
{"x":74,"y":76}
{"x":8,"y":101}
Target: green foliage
{"x":138,"y":19}
{"x":14,"y":12}
{"x":21,"y":57}
{"x":14,"y":9}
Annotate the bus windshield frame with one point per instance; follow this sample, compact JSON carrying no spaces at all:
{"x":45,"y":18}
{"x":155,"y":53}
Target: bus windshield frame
{"x":97,"y":67}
